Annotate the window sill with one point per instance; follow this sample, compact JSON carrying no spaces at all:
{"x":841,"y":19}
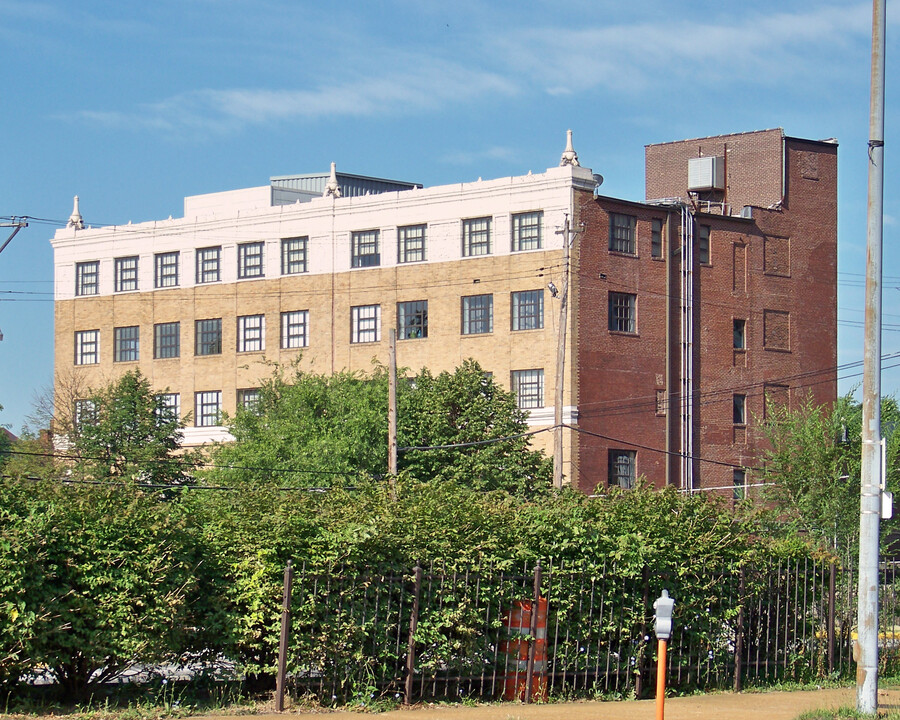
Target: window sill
{"x":622,"y":333}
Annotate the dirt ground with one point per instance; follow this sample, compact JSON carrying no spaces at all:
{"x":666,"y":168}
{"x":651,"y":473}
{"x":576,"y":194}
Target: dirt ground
{"x":741,"y":706}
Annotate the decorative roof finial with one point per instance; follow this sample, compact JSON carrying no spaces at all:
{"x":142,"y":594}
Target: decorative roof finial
{"x":75,"y":219}
{"x":569,"y":156}
{"x":332,"y":188}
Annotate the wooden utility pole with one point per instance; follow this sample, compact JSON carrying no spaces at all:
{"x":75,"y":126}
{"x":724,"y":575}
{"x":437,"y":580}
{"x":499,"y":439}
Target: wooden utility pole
{"x":392,"y":404}
{"x":567,"y":234}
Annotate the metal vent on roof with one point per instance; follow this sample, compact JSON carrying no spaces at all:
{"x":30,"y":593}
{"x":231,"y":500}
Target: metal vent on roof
{"x":706,"y":173}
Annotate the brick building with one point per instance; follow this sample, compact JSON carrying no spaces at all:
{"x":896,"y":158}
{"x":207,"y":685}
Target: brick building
{"x":685,"y":311}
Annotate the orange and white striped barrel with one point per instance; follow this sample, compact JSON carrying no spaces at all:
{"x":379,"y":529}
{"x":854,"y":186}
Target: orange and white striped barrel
{"x":514,"y":651}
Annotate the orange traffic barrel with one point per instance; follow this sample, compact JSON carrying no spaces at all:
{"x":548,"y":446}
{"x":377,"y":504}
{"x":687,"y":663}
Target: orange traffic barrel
{"x":514,"y":648}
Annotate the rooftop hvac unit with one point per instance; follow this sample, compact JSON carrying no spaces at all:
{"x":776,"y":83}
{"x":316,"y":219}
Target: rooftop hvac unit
{"x":706,"y":173}
{"x":747,"y":212}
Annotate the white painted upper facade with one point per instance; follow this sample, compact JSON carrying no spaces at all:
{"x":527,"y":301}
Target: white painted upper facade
{"x":228,"y":219}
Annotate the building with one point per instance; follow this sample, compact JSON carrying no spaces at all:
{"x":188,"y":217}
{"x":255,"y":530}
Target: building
{"x":685,"y":312}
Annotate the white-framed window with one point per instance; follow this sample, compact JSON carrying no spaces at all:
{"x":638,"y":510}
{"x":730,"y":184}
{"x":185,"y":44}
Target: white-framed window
{"x":623,"y":233}
{"x":623,"y":312}
{"x":87,"y":347}
{"x":85,"y":411}
{"x":87,"y":278}
{"x":622,"y":468}
{"x":740,"y":334}
{"x":477,"y":314}
{"x":251,"y":333}
{"x":165,"y":270}
{"x":208,"y":337}
{"x":126,"y":273}
{"x":207,"y":408}
{"x":250,"y":260}
{"x":248,"y":399}
{"x":295,"y":329}
{"x":527,"y":310}
{"x":412,"y":320}
{"x":294,"y":255}
{"x":528,"y":387}
{"x":476,"y":236}
{"x":168,"y":406}
{"x":209,"y":265}
{"x":365,"y":323}
{"x":166,"y":340}
{"x":526,"y":231}
{"x":126,"y":343}
{"x":739,"y":483}
{"x":411,"y":244}
{"x":364,"y":249}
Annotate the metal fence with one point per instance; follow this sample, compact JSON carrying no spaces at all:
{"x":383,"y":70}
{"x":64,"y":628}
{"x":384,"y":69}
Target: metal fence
{"x":443,"y":632}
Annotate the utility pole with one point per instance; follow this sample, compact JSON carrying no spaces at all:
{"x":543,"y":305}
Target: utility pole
{"x":15,"y":223}
{"x":568,"y":234}
{"x":392,"y":403}
{"x":871,"y":481}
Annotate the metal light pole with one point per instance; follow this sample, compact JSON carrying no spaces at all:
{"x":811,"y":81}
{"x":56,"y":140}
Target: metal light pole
{"x":870,"y":486}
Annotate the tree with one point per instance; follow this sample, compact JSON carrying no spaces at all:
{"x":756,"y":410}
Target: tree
{"x":468,"y":406}
{"x":814,"y":468}
{"x":124,"y":432}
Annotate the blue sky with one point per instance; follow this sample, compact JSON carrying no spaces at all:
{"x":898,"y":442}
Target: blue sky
{"x":132,"y":106}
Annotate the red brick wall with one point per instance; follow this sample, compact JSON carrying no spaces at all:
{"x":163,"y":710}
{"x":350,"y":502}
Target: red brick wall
{"x":617,"y":376}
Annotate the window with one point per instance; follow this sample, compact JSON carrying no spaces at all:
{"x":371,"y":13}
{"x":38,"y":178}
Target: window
{"x":207,"y":408}
{"x":168,"y":406}
{"x":739,"y":412}
{"x":208,"y":337}
{"x":528,"y":387}
{"x":412,"y":320}
{"x":526,"y":231}
{"x":656,"y":238}
{"x":85,"y":412}
{"x":295,"y":329}
{"x":251,"y":333}
{"x":364,"y":249}
{"x":622,"y":312}
{"x":165,"y":270}
{"x":208,"y":265}
{"x":622,"y":232}
{"x":622,"y":468}
{"x":87,"y":276}
{"x":476,"y":237}
{"x":703,"y":244}
{"x":740,"y":334}
{"x":126,"y":342}
{"x":248,"y":399}
{"x":166,"y":340}
{"x":411,"y":244}
{"x":293,"y":255}
{"x":365,"y":323}
{"x":477,"y":314}
{"x":527,"y":312}
{"x":126,"y":274}
{"x":87,"y":347}
{"x":740,"y":483}
{"x":250,"y":260}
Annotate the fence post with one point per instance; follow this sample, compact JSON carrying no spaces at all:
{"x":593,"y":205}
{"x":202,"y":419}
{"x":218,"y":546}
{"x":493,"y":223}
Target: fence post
{"x":411,"y":645}
{"x":832,"y":596}
{"x":285,"y":632}
{"x":532,"y":631}
{"x":739,"y":635}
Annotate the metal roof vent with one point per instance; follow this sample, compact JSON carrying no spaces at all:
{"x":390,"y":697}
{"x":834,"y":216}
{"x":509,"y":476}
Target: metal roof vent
{"x":706,"y":173}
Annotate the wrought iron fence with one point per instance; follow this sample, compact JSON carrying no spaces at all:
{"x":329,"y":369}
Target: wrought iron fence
{"x":445,"y":632}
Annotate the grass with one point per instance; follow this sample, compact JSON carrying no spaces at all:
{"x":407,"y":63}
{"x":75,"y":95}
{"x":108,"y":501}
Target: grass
{"x":845,"y":713}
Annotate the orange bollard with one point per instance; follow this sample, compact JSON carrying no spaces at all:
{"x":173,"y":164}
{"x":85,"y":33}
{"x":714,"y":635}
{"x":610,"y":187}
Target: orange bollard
{"x":661,"y":680}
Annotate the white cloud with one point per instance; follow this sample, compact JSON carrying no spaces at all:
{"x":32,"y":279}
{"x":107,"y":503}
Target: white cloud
{"x":495,"y":152}
{"x":428,"y":86}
